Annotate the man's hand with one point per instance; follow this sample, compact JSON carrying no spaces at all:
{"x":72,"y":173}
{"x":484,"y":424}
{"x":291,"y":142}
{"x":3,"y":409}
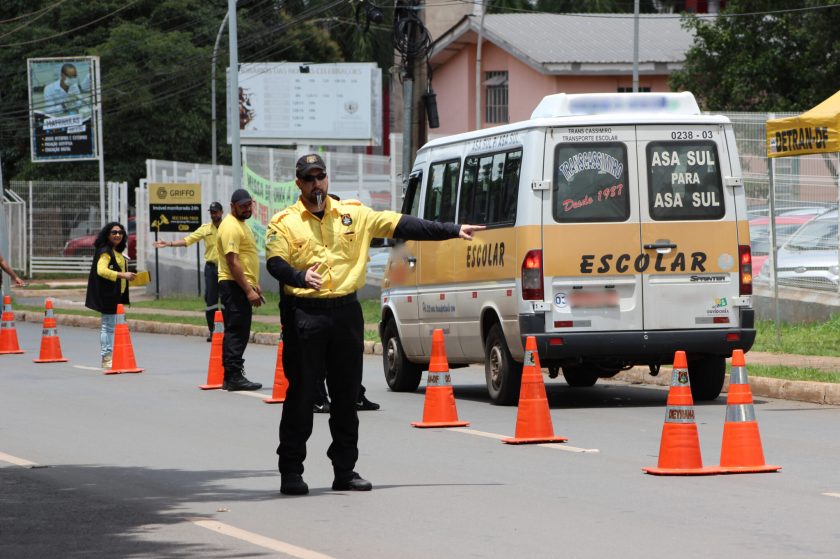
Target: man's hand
{"x":19,"y":282}
{"x":255,"y":298}
{"x":160,"y":244}
{"x":313,"y":278}
{"x":467,"y":231}
{"x":127,"y":276}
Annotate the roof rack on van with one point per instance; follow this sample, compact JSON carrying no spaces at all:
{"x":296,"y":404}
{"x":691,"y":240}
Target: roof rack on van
{"x":576,"y":104}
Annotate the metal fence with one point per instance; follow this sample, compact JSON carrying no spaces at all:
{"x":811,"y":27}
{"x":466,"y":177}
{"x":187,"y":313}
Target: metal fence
{"x":805,"y":218}
{"x":59,"y":223}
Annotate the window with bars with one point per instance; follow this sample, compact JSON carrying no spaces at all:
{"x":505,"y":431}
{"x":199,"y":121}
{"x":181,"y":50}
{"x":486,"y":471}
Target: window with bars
{"x":496,"y":97}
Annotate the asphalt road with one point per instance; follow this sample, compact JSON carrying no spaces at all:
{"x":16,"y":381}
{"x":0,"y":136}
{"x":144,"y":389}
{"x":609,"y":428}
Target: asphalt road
{"x":148,"y":465}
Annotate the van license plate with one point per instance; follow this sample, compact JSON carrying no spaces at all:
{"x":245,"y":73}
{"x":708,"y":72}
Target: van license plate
{"x":593,"y":299}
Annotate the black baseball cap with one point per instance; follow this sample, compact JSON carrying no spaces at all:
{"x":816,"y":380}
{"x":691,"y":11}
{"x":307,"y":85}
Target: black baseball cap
{"x":240,"y":195}
{"x":309,"y":162}
{"x":216,"y":207}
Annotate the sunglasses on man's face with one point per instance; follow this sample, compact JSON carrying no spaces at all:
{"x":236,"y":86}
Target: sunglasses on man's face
{"x":313,"y":178}
{"x":116,"y":232}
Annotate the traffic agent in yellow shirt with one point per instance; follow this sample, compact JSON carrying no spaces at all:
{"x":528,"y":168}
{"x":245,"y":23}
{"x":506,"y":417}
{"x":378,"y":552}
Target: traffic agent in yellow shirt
{"x":318,"y":250}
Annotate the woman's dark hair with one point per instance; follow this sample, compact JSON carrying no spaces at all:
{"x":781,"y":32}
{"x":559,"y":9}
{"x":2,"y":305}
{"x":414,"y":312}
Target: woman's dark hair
{"x":102,"y":244}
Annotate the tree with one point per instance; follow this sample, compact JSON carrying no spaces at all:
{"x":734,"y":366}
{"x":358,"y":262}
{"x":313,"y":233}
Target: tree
{"x":764,"y":62}
{"x":155,"y":58}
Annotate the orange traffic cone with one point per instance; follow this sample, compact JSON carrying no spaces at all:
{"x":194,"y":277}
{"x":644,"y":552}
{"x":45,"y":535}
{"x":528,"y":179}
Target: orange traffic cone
{"x":741,"y":450}
{"x":123,"y":355}
{"x":533,"y":420}
{"x":679,"y":449}
{"x":439,"y":408}
{"x":215,"y":369}
{"x":50,"y":344}
{"x":281,"y":383}
{"x":8,"y":332}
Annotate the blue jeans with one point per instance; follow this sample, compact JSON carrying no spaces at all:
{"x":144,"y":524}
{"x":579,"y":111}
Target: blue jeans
{"x":106,"y":334}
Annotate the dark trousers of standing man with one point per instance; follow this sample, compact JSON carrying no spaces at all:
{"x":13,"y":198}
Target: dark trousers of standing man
{"x":237,"y":317}
{"x":211,"y":293}
{"x":329,"y":336}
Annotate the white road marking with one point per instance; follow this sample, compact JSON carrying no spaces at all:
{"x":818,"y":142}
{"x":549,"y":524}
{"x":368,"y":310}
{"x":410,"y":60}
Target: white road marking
{"x":15,"y":460}
{"x":556,"y":446}
{"x":252,"y":394}
{"x":832,"y":495}
{"x":86,"y":368}
{"x":262,"y":541}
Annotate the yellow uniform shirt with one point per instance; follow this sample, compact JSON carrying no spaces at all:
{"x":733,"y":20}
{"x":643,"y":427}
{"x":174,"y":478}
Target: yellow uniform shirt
{"x":235,"y":236}
{"x":104,"y":271}
{"x":339,"y":243}
{"x":208,"y":233}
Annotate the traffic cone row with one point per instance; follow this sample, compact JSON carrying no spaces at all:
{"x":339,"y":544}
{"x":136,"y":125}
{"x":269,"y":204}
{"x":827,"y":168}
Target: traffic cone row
{"x":679,"y":450}
{"x":122,"y":359}
{"x":50,"y":344}
{"x":8,"y":332}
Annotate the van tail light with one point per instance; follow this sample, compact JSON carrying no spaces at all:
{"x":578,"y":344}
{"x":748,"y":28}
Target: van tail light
{"x":532,"y":276}
{"x":745,"y":279}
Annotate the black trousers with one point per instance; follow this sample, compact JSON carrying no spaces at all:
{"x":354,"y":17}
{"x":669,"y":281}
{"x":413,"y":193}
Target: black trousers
{"x":316,"y":340}
{"x":211,"y":293}
{"x":237,"y":316}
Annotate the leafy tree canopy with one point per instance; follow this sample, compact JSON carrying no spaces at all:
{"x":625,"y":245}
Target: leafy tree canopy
{"x":155,"y":59}
{"x":787,"y":61}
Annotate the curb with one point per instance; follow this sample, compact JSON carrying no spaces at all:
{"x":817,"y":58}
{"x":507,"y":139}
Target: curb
{"x":803,"y":391}
{"x":169,"y":328}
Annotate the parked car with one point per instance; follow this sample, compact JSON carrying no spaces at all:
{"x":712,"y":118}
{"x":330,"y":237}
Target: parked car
{"x":786,"y":225}
{"x":83,"y":246}
{"x":809,"y":257}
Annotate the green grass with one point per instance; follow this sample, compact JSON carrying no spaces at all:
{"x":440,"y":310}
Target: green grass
{"x":792,"y":373}
{"x":821,"y":338}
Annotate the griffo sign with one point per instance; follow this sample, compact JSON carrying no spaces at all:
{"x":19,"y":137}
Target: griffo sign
{"x":175,"y":207}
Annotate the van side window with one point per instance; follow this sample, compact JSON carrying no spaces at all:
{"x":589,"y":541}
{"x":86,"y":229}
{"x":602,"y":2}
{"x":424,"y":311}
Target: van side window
{"x":684,"y":181}
{"x":590,"y":183}
{"x":441,"y":190}
{"x":411,"y":198}
{"x":490,"y":187}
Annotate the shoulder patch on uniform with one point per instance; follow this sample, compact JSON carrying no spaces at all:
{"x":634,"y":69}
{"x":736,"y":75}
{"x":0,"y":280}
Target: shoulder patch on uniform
{"x":278,"y":217}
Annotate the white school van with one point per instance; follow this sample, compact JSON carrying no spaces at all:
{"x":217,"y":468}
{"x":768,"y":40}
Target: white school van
{"x":616,"y":234}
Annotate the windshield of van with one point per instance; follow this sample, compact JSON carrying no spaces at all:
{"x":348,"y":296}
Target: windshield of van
{"x":684,"y":181}
{"x":590,"y":183}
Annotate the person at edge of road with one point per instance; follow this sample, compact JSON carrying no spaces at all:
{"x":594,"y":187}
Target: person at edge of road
{"x":108,"y":283}
{"x":6,"y":267}
{"x":239,"y":288}
{"x":318,"y":250}
{"x":207,"y":233}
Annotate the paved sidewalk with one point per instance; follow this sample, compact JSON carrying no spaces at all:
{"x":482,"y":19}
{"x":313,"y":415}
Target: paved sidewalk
{"x":816,"y":392}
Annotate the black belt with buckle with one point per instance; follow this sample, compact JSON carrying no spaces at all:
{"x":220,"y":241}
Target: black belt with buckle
{"x":327,"y":303}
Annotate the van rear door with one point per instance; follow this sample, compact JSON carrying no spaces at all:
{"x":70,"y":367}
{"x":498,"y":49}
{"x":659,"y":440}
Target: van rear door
{"x":591,"y":233}
{"x":689,"y":230}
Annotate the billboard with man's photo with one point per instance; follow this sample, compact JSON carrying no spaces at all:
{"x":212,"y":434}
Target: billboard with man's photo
{"x":62,"y":112}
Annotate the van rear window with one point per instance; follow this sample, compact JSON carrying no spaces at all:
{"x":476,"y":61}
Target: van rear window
{"x":590,"y":183}
{"x":684,"y":181}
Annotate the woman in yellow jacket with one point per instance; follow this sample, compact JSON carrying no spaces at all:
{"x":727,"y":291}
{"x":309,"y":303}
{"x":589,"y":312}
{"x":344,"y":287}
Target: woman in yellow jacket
{"x":108,"y":283}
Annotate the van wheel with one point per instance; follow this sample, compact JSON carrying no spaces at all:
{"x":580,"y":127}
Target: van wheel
{"x":580,"y":376}
{"x":401,"y":374}
{"x":706,"y":374}
{"x":502,"y":373}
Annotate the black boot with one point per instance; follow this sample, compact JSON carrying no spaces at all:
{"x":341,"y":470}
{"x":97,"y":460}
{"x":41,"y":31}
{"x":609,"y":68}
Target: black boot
{"x":237,"y":381}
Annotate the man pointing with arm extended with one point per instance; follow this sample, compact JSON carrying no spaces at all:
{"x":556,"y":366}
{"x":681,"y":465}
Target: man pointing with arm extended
{"x":318,"y":250}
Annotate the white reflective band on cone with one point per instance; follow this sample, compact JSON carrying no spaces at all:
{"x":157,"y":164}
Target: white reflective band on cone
{"x":738,"y":376}
{"x":740,"y":413}
{"x":49,"y":332}
{"x":529,"y":358}
{"x":120,"y":319}
{"x":438,"y":379}
{"x":677,"y":376}
{"x":219,"y":327}
{"x":679,"y":414}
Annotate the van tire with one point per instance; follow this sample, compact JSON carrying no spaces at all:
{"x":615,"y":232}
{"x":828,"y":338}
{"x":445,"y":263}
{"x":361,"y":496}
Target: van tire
{"x":706,"y":374}
{"x":580,"y":376}
{"x":502,"y":373}
{"x":401,"y":374}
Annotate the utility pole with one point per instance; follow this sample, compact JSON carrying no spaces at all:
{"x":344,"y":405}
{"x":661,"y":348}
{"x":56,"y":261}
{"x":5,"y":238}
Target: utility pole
{"x":480,"y":41}
{"x":233,"y":98}
{"x":635,"y":46}
{"x":213,"y":100}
